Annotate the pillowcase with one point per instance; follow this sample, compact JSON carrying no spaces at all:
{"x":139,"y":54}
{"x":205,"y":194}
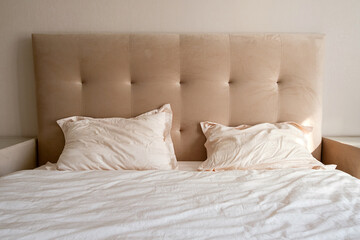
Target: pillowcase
{"x":139,"y":143}
{"x":262,"y":146}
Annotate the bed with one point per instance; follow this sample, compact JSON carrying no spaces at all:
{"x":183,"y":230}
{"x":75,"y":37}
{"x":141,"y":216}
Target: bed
{"x":230,"y":79}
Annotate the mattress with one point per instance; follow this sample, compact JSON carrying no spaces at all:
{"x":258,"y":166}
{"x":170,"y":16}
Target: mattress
{"x":257,"y":204}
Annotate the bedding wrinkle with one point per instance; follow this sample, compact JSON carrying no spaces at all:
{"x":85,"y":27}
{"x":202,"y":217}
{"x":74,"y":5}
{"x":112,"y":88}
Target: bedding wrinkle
{"x":139,"y":143}
{"x":261,"y":146}
{"x":273,"y":204}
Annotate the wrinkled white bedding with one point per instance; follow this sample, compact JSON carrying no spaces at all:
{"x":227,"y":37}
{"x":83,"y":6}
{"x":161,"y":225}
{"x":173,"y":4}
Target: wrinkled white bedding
{"x":272,"y":204}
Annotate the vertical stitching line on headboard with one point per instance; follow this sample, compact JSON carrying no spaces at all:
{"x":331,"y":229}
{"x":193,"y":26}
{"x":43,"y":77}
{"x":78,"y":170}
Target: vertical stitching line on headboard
{"x":181,"y":98}
{"x":280,"y":72}
{"x":229,"y":79}
{"x":130,"y":75}
{"x":80,"y":56}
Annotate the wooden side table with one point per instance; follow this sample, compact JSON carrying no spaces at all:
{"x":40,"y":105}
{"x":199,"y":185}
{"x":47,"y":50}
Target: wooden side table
{"x":352,"y":141}
{"x":17,"y":153}
{"x":344,"y":152}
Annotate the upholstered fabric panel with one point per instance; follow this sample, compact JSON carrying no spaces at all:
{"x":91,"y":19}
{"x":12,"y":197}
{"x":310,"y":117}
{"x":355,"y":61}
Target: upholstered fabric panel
{"x":227,"y":78}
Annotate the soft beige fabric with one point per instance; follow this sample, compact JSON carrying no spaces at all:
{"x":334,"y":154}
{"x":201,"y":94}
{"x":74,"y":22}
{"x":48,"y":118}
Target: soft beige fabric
{"x":262,"y":146}
{"x":187,"y":205}
{"x":239,"y":78}
{"x":139,"y":143}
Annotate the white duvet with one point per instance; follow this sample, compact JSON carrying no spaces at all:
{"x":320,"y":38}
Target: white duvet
{"x":272,"y":204}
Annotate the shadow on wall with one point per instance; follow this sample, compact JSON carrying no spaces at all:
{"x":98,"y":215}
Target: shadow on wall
{"x":26,"y":87}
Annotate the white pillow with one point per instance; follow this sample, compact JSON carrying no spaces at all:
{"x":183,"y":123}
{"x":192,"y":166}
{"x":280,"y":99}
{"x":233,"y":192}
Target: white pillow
{"x":262,"y":146}
{"x":139,"y":143}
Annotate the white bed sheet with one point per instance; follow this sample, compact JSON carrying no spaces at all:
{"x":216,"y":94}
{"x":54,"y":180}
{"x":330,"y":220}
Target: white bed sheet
{"x":183,"y":166}
{"x":272,"y":204}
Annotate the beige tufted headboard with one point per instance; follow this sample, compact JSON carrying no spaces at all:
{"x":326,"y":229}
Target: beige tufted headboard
{"x":226,"y":78}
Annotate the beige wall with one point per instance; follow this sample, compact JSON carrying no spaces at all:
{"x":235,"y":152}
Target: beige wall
{"x":338,"y":19}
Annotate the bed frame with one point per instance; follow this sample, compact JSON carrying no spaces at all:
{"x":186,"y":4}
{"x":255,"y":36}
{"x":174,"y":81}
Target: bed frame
{"x":227,"y":78}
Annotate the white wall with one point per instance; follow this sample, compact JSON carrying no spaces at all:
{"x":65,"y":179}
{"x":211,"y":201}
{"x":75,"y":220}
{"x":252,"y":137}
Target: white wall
{"x":338,"y":19}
